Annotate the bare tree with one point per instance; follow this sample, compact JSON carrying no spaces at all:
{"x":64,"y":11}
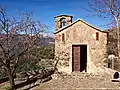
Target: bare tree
{"x":18,"y":36}
{"x":112,"y":42}
{"x":108,"y":9}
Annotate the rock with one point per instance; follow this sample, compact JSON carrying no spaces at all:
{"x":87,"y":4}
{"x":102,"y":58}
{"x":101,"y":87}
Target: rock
{"x":54,"y":76}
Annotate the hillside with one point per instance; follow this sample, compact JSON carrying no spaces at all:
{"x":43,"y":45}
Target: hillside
{"x":45,"y":40}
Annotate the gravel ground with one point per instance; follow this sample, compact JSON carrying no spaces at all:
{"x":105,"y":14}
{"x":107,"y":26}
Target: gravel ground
{"x":79,"y":81}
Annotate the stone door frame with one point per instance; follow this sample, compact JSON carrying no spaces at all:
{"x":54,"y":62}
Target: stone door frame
{"x":80,"y":45}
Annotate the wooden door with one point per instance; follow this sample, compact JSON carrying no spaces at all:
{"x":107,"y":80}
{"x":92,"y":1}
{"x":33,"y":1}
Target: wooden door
{"x":76,"y":58}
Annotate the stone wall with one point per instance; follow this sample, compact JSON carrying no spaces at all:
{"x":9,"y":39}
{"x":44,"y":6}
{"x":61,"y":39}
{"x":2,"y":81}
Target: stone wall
{"x":80,"y":34}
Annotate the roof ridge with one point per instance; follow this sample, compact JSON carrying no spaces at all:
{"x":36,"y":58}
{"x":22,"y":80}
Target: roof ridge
{"x":63,"y":15}
{"x":79,"y":19}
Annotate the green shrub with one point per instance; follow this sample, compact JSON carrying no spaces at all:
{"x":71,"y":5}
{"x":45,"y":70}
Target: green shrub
{"x":8,"y":88}
{"x":44,"y":52}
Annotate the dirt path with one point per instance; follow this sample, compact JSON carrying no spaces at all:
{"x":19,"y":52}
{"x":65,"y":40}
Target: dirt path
{"x":82,"y":81}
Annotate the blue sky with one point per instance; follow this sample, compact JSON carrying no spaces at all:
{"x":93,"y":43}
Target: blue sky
{"x":46,"y":10}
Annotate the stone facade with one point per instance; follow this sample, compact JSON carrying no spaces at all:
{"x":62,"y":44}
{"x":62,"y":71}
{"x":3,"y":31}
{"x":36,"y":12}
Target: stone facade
{"x":79,"y":33}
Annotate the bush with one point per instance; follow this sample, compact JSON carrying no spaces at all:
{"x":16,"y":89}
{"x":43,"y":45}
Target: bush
{"x":8,"y":88}
{"x":27,"y":65}
{"x":44,"y":52}
{"x":2,"y":72}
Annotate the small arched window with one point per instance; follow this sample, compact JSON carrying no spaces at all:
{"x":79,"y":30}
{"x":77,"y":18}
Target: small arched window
{"x":62,"y":22}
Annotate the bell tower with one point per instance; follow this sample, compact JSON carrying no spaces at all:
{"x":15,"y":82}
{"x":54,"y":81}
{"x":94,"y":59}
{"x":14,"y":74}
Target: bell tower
{"x":62,"y":20}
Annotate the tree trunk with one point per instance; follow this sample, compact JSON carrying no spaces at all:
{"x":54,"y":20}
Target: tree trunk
{"x":11,"y":79}
{"x":118,"y":39}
